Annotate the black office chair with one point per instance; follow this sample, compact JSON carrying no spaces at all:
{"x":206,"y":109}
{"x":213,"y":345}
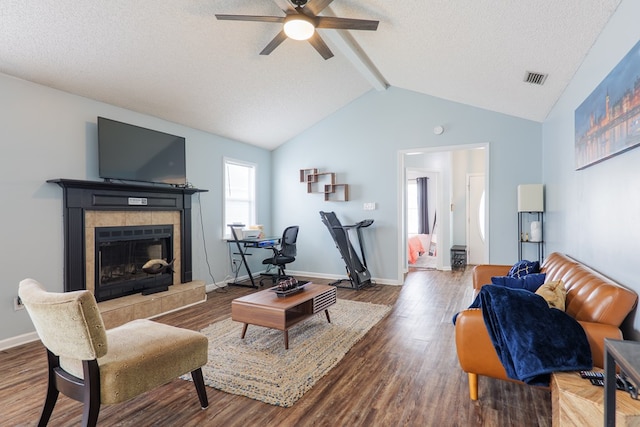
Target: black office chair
{"x":284,"y":254}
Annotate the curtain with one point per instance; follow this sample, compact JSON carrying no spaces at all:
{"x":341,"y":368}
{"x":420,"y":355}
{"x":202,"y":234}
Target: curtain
{"x":423,"y":205}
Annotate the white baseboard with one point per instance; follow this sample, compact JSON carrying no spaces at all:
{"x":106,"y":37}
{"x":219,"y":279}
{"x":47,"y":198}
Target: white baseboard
{"x":33,"y":336}
{"x":211,"y":287}
{"x":337,"y":277}
{"x":19,"y":340}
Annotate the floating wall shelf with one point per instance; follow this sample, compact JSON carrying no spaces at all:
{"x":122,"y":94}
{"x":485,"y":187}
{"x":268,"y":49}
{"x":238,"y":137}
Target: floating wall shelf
{"x":324,"y":183}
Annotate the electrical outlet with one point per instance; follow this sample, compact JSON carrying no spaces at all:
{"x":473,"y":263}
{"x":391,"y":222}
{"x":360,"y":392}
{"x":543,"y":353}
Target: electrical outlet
{"x":17,"y":304}
{"x":370,"y":206}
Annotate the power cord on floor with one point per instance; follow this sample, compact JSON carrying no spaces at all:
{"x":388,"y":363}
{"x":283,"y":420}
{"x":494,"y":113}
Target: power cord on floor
{"x":206,"y":254}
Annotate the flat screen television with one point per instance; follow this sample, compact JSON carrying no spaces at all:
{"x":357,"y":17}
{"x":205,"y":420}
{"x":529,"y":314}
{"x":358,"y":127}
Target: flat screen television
{"x":132,"y":153}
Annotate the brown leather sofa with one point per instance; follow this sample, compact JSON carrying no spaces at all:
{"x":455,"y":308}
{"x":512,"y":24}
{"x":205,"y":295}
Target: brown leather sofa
{"x":596,"y":302}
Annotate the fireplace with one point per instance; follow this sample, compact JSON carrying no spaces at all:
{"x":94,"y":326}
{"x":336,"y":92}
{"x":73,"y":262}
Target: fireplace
{"x":121,"y":254}
{"x":112,"y":229}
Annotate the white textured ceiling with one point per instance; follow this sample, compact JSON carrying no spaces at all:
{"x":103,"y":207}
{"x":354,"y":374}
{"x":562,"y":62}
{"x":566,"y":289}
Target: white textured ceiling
{"x":173,"y":59}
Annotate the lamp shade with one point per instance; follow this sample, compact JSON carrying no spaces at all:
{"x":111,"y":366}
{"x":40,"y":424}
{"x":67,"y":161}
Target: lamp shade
{"x":530,"y":198}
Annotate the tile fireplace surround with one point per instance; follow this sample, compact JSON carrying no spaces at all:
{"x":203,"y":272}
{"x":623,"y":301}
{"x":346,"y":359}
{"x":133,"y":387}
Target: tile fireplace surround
{"x":89,"y":204}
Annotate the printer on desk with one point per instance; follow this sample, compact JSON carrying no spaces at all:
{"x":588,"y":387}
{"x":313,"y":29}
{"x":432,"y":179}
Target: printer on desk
{"x":249,"y":233}
{"x":240,"y":232}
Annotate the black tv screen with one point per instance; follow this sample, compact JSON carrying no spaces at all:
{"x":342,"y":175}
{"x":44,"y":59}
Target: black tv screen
{"x":133,"y":153}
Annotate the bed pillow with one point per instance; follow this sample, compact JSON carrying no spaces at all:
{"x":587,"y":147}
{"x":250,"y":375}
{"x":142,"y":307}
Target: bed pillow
{"x":524,"y":267}
{"x":530,"y":282}
{"x":554,"y":293}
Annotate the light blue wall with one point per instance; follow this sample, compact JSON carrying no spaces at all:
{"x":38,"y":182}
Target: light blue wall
{"x":590,"y":214}
{"x":361,"y":143}
{"x":49,"y":134}
{"x":593,"y":214}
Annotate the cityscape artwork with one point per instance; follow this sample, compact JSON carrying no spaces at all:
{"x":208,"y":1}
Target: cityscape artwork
{"x":608,"y":121}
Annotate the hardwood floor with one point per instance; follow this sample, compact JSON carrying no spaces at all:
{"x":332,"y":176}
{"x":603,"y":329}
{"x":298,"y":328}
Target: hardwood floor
{"x":404,"y":372}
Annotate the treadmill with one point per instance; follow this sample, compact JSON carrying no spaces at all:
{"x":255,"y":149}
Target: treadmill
{"x":357,"y":272}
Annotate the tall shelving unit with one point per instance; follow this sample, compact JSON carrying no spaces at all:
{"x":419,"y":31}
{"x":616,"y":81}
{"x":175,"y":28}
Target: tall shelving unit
{"x":524,"y":226}
{"x":530,"y":209}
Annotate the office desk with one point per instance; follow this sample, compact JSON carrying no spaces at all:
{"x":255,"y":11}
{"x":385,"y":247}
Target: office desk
{"x":243,"y":245}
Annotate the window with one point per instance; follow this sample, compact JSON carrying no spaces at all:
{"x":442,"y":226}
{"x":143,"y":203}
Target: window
{"x":239,"y":193}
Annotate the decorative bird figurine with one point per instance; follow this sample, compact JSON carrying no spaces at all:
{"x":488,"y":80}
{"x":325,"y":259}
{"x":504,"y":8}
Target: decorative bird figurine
{"x":157,"y":266}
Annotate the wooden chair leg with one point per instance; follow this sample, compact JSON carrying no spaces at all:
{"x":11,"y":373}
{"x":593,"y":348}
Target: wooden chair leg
{"x":91,"y":393}
{"x":52,"y":392}
{"x":198,"y":381}
{"x":85,"y":390}
{"x":473,"y":386}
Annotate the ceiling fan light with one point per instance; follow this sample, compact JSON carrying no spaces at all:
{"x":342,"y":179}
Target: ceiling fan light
{"x":298,"y":28}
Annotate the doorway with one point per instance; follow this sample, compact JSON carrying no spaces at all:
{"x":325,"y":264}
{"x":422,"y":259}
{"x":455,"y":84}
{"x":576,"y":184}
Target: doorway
{"x":422,"y":226}
{"x":452,"y":164}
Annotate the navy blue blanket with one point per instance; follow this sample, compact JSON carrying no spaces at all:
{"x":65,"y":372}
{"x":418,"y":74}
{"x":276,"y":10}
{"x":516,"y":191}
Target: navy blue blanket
{"x":531,"y":339}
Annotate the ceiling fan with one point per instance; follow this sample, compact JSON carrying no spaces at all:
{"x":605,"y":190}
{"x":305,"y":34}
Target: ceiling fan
{"x":301,"y":22}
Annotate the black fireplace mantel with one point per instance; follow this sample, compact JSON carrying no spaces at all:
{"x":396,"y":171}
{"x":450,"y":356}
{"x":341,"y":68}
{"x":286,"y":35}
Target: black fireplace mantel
{"x":113,"y":186}
{"x":79,"y":196}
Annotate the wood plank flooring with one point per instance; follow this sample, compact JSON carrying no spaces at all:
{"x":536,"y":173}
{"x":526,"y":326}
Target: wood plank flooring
{"x":404,"y":372}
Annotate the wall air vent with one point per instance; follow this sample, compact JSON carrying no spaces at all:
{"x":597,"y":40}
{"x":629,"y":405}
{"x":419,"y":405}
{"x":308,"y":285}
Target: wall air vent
{"x":535,"y":78}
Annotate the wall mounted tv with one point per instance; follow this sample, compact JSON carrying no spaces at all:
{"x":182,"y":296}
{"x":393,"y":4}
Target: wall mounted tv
{"x":132,"y":153}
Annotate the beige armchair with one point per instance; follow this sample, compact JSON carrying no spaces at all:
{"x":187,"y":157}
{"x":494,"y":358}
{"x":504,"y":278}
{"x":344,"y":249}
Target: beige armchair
{"x":98,"y":366}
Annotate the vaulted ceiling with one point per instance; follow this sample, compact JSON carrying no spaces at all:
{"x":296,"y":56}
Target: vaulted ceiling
{"x":174,"y":60}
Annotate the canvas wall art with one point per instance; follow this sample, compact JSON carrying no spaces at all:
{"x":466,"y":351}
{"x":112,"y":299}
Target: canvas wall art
{"x":608,"y":121}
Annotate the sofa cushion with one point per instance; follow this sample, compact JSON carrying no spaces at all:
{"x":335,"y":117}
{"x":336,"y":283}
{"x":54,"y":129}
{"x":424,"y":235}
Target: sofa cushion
{"x":524,"y":267}
{"x":530,"y":282}
{"x":554,"y":293}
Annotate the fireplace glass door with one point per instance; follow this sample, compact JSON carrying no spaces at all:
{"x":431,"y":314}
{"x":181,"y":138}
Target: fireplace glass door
{"x":121,"y":253}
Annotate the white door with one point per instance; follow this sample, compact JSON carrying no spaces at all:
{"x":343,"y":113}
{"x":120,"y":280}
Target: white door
{"x":476,"y":221}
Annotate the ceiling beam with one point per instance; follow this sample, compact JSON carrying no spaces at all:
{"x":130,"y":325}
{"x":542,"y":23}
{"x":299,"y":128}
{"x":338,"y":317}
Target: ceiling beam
{"x":284,"y":5}
{"x":345,"y":43}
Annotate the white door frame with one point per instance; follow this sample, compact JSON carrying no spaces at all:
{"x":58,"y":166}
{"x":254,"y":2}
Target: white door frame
{"x":402,"y":200}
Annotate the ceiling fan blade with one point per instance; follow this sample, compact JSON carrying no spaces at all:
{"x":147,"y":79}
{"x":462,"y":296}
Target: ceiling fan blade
{"x":279,"y":38}
{"x":316,"y":6}
{"x":319,"y":44}
{"x":346,"y":23}
{"x":250,"y":18}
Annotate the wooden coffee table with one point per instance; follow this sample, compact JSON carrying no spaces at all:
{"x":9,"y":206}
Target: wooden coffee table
{"x":266,"y":309}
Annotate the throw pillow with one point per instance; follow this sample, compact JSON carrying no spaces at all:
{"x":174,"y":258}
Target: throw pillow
{"x":554,"y":293}
{"x":530,"y":282}
{"x":524,"y":267}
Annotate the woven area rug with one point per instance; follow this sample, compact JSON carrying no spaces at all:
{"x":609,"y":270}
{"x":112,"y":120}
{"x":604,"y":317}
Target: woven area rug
{"x":259,"y":367}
